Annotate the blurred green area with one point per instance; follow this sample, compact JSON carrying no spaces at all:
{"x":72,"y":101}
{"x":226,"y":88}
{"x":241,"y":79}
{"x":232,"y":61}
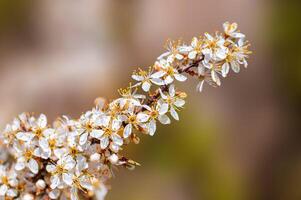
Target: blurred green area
{"x":285,"y":33}
{"x":188,"y":153}
{"x":14,"y":15}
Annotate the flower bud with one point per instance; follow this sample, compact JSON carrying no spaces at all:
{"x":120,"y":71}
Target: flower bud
{"x":95,"y":157}
{"x":27,"y":196}
{"x":40,"y":184}
{"x":113,"y":158}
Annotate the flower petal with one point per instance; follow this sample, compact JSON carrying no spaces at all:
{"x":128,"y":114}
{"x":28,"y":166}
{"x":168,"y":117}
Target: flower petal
{"x":104,"y":142}
{"x":127,"y":130}
{"x":96,"y":133}
{"x":163,"y":108}
{"x":164,"y":119}
{"x":3,"y":189}
{"x":42,"y":121}
{"x":146,"y":86}
{"x":235,"y":67}
{"x":83,"y":138}
{"x":158,"y":74}
{"x":117,"y":139}
{"x":179,"y":102}
{"x":192,"y":55}
{"x":174,"y":113}
{"x":152,"y":127}
{"x":67,"y":178}
{"x":180,"y":77}
{"x":33,"y":166}
{"x":55,"y":181}
{"x":142,"y":117}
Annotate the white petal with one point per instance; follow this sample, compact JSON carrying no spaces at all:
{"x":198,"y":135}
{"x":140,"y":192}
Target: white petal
{"x":116,"y":124}
{"x":73,"y":193}
{"x":235,"y":67}
{"x":83,"y":138}
{"x":179,"y":102}
{"x":237,"y":35}
{"x":105,"y":120}
{"x":25,"y":136}
{"x":180,"y":77}
{"x":194,"y":41}
{"x":54,"y":194}
{"x":55,"y":181}
{"x":42,"y":121}
{"x":104,"y":142}
{"x":168,"y":80}
{"x":137,"y":77}
{"x":226,"y":25}
{"x":50,"y":168}
{"x":146,"y":86}
{"x":81,"y":163}
{"x":86,"y":184}
{"x":60,"y":152}
{"x":69,"y":163}
{"x":213,"y":75}
{"x":225,"y":69}
{"x":20,"y":164}
{"x":114,"y":147}
{"x":158,"y":74}
{"x":113,"y":158}
{"x":3,"y":189}
{"x":142,"y":117}
{"x":12,"y":193}
{"x":164,"y":119}
{"x":179,"y":56}
{"x":67,"y":178}
{"x":152,"y":127}
{"x":200,"y":86}
{"x":117,"y":139}
{"x":163,"y":108}
{"x":174,"y":113}
{"x":96,"y":133}
{"x":172,"y":91}
{"x":157,"y":81}
{"x":127,"y":130}
{"x":33,"y":166}
{"x":43,"y":142}
{"x":208,"y":36}
{"x":95,"y":157}
{"x":147,"y":107}
{"x":48,"y":132}
{"x":192,"y":55}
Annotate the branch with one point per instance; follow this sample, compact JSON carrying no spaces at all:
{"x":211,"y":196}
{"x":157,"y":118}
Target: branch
{"x":75,"y":157}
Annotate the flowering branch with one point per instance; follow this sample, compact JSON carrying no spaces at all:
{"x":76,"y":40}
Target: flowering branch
{"x":74,"y":158}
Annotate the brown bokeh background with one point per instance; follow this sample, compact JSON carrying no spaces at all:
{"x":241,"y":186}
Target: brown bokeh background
{"x":238,"y":142}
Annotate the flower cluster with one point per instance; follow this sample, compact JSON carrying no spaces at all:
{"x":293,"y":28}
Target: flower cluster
{"x":74,"y":158}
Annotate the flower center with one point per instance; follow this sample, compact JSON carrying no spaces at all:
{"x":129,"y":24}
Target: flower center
{"x":73,"y":151}
{"x":4,"y":180}
{"x":169,"y":100}
{"x":52,"y":143}
{"x":154,"y":114}
{"x":28,"y":154}
{"x":59,"y":169}
{"x":38,"y":132}
{"x":170,"y":70}
{"x":132,"y":119}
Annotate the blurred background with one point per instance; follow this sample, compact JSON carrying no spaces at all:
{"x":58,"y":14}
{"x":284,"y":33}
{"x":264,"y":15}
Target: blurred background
{"x":237,"y":142}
